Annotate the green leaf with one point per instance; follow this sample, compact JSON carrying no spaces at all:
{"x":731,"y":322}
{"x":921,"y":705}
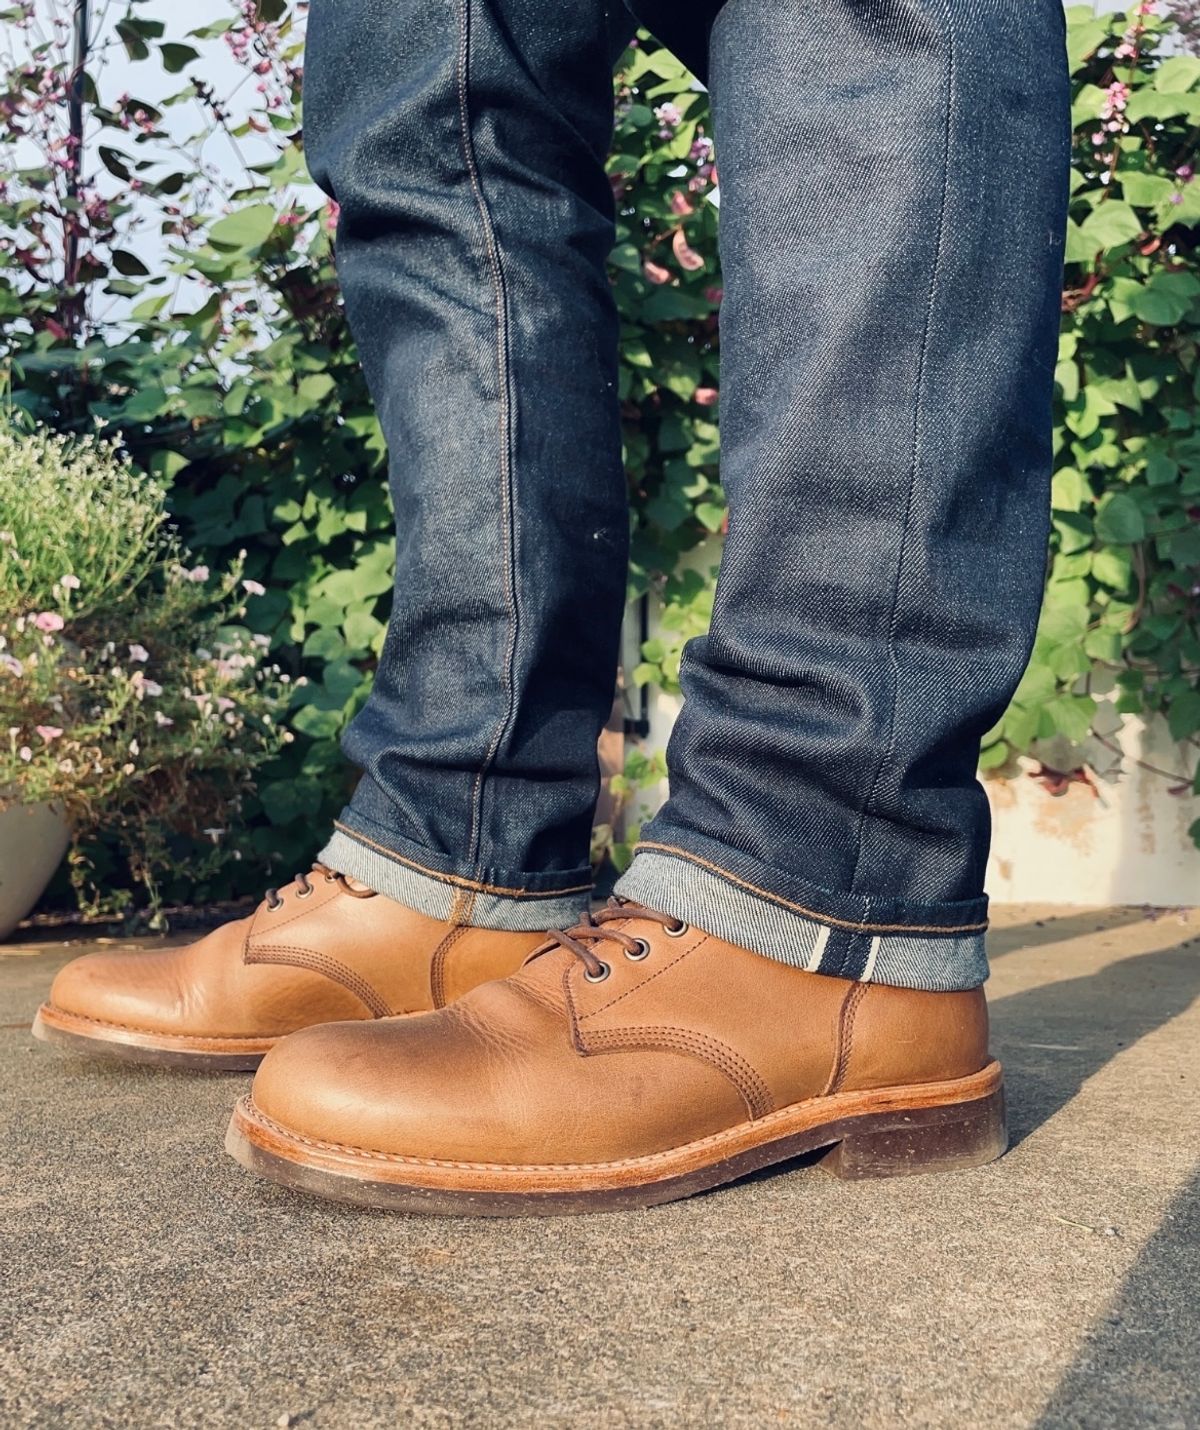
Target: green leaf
{"x":129,"y":263}
{"x":711,"y":515}
{"x":1145,"y":190}
{"x":1072,"y":715}
{"x":1176,"y":75}
{"x":246,"y":228}
{"x":1111,"y":225}
{"x":1163,"y":301}
{"x":1183,"y":716}
{"x":176,"y":57}
{"x":1119,"y":519}
{"x":994,"y":756}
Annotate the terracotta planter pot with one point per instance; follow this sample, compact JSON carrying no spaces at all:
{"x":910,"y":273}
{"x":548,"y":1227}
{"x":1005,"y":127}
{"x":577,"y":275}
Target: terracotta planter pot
{"x":33,"y":840}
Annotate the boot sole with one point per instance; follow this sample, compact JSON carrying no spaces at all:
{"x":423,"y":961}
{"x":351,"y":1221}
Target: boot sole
{"x":94,"y":1038}
{"x":886,"y":1132}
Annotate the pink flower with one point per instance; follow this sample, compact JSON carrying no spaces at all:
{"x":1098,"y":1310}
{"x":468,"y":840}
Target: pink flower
{"x":706,"y":396}
{"x":254,"y":588}
{"x":48,"y":732}
{"x":11,"y":664}
{"x":197,"y":573}
{"x":138,"y":652}
{"x":48,"y":621}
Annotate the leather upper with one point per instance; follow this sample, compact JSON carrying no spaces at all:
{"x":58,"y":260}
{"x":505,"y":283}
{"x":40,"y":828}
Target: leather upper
{"x":335,"y":952}
{"x":686,"y":1039}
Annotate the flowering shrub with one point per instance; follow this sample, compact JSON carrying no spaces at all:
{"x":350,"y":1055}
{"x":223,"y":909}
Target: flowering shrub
{"x":127,"y":700}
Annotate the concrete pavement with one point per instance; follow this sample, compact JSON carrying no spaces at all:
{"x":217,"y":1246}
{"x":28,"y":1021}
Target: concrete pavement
{"x":145,"y":1280}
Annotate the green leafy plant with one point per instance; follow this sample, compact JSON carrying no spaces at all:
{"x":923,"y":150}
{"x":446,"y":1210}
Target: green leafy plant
{"x":128,"y":698}
{"x":1120,"y":629}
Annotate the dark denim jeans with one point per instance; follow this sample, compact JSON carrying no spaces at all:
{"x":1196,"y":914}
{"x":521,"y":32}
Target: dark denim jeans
{"x":893,"y":186}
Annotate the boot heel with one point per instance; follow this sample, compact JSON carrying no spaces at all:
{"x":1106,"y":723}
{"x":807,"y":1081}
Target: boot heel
{"x":924,"y":1139}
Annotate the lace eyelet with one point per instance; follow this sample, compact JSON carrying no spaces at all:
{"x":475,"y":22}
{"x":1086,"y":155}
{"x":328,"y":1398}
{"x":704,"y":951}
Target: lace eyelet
{"x":678,"y":931}
{"x":272,"y":907}
{"x":306,"y":893}
{"x":642,"y":951}
{"x":605,"y":970}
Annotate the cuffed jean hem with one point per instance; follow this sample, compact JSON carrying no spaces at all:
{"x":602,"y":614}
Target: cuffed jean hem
{"x":489,"y":898}
{"x":935,"y":959}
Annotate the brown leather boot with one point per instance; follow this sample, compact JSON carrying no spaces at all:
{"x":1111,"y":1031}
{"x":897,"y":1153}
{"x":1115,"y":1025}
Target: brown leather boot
{"x":635,"y":1061}
{"x":320,"y":949}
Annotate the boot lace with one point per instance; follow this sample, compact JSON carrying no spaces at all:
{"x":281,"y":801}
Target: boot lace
{"x":596,"y":929}
{"x":274,"y":897}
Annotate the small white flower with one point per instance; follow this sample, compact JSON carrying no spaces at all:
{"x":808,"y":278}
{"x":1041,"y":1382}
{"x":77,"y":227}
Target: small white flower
{"x":161,"y":720}
{"x":69,"y":582}
{"x":127,"y":769}
{"x":138,"y":652}
{"x":25,"y":753}
{"x":197,"y":574}
{"x":152,"y":687}
{"x":134,"y":748}
{"x":254,"y":588}
{"x":214,"y":834}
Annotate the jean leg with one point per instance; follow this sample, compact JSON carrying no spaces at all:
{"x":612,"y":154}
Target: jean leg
{"x":893,"y":185}
{"x":464,"y":141}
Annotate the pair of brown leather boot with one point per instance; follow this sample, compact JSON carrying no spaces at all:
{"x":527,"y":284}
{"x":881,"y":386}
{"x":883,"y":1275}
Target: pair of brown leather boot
{"x":631,"y":1060}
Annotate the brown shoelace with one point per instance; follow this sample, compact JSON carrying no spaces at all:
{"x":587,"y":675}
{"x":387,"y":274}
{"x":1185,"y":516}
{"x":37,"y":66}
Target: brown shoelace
{"x":330,"y":876}
{"x":594,"y":929}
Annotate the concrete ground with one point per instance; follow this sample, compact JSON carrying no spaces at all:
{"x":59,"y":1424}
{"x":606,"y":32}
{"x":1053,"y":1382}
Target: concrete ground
{"x":145,"y":1280}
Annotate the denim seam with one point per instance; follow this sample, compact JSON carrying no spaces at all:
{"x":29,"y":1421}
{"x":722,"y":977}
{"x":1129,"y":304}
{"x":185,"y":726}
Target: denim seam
{"x":917,"y":449}
{"x":801,"y":908}
{"x":458,"y":880}
{"x":504,"y":384}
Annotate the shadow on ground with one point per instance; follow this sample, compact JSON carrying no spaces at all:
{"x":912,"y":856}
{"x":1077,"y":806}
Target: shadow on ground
{"x":1140,"y":1364}
{"x":1052,"y":1038}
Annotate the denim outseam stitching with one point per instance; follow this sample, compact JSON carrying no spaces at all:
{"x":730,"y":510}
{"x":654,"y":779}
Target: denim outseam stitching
{"x":504,"y":383}
{"x":917,"y":446}
{"x":677,"y":853}
{"x":458,"y":880}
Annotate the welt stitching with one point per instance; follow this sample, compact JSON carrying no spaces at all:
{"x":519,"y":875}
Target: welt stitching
{"x":504,"y":384}
{"x":990,"y":1075}
{"x":327,"y":967}
{"x":800,"y":908}
{"x":173,"y":1037}
{"x":457,"y":880}
{"x":645,"y":983}
{"x":917,"y":443}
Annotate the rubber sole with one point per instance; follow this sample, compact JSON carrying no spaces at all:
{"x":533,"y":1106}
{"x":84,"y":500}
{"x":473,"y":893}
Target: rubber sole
{"x":94,"y":1038}
{"x":886,"y":1132}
